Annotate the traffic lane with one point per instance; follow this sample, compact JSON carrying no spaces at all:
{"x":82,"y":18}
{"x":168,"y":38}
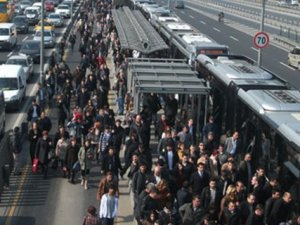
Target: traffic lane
{"x":241,"y":43}
{"x":15,"y":117}
{"x":250,"y":22}
{"x":255,"y":10}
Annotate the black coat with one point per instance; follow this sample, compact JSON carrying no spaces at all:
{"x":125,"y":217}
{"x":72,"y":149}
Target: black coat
{"x":231,"y":218}
{"x":30,"y":112}
{"x":183,"y":196}
{"x":245,"y":210}
{"x":33,"y":138}
{"x":45,"y":124}
{"x":111,"y":163}
{"x":82,"y":99}
{"x":281,"y":212}
{"x":198,"y":183}
{"x":148,"y":205}
{"x":175,"y":159}
{"x":253,"y":219}
{"x":205,"y":198}
{"x":139,"y":181}
{"x":43,"y":147}
{"x":71,"y":156}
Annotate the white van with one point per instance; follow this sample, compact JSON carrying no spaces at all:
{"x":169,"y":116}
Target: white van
{"x":13,"y":84}
{"x":8,"y":36}
{"x":294,"y":57}
{"x":33,"y":14}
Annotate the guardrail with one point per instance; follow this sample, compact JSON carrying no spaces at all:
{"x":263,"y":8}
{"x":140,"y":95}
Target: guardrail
{"x":6,"y":156}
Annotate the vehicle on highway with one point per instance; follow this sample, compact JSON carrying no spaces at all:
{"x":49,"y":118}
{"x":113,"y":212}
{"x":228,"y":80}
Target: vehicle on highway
{"x":179,"y":4}
{"x":22,"y":60}
{"x":47,"y":25}
{"x":6,"y":11}
{"x":63,"y":10}
{"x":8,"y":36}
{"x":13,"y":84}
{"x":294,"y":57}
{"x":49,"y":6}
{"x":49,"y":38}
{"x":32,"y":49}
{"x":33,"y":14}
{"x":18,"y":10}
{"x":55,"y":19}
{"x":2,"y":113}
{"x":22,"y":24}
{"x":24,"y":4}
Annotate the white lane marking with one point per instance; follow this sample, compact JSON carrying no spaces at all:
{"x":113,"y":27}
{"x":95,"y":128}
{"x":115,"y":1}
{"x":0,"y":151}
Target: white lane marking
{"x":25,"y":38}
{"x":233,"y":38}
{"x":216,"y":29}
{"x":191,"y":16}
{"x":255,"y":49}
{"x":287,"y":66}
{"x":202,"y":22}
{"x":9,"y":54}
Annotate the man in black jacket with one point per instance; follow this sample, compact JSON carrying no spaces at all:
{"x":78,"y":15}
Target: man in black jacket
{"x":269,"y":205}
{"x":183,"y":195}
{"x":199,"y":179}
{"x":139,"y":181}
{"x":149,"y":204}
{"x":211,"y":198}
{"x":247,"y":207}
{"x":282,"y":210}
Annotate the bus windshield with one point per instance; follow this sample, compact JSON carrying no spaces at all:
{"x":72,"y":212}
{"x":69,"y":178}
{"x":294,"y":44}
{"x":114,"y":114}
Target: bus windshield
{"x":7,"y":84}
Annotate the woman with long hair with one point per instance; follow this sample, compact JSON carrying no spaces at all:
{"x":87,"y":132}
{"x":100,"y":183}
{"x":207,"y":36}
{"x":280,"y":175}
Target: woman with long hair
{"x":85,"y":157}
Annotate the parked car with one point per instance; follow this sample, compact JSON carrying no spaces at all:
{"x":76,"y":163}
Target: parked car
{"x":63,"y":10}
{"x":31,"y":48}
{"x":22,"y":24}
{"x":49,"y":38}
{"x":55,"y":19}
{"x":22,"y":60}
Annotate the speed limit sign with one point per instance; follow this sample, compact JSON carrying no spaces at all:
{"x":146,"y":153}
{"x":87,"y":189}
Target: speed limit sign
{"x":261,"y":39}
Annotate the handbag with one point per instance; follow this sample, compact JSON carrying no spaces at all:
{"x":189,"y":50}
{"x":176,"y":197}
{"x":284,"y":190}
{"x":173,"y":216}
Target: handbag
{"x":35,"y":165}
{"x":76,"y":167}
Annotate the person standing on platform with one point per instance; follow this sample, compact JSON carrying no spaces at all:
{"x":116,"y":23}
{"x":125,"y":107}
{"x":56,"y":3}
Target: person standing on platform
{"x":109,"y":207}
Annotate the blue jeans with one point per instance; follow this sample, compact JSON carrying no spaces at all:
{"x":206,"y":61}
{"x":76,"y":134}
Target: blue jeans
{"x":120,"y":105}
{"x":107,"y":221}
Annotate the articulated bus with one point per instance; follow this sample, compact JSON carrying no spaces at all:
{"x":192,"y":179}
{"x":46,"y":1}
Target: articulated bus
{"x":6,"y":11}
{"x":185,"y":41}
{"x":259,"y":104}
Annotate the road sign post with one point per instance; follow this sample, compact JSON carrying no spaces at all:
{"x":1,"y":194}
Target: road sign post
{"x":261,"y":40}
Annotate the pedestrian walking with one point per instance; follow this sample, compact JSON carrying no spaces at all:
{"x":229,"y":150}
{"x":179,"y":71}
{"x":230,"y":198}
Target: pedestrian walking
{"x":43,"y":148}
{"x":109,"y":207}
{"x":85,"y":157}
{"x":16,"y":148}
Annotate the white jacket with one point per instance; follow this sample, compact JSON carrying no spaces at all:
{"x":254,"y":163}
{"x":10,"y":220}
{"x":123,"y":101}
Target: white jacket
{"x":104,"y":211}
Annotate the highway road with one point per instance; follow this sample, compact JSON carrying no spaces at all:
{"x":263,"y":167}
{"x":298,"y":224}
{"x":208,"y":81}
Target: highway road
{"x":238,"y":38}
{"x":15,"y":117}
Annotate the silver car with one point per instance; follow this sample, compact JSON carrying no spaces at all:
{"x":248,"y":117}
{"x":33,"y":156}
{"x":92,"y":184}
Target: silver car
{"x":55,"y":19}
{"x":23,"y":60}
{"x":49,"y":38}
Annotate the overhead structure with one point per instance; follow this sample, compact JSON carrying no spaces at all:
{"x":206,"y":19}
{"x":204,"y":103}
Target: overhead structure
{"x":135,"y":32}
{"x":168,"y":76}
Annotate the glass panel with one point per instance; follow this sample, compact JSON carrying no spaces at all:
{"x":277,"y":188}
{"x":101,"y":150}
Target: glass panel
{"x":8,"y":84}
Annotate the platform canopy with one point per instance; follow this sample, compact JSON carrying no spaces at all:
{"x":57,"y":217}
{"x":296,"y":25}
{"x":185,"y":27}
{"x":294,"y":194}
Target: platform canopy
{"x":135,"y":32}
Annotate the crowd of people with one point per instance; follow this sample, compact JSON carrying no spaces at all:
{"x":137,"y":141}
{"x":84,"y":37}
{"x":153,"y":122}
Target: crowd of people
{"x":185,"y":180}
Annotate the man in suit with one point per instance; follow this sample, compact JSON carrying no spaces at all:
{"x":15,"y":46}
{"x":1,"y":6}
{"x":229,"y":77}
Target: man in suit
{"x":232,"y":144}
{"x":245,"y":170}
{"x":170,"y":157}
{"x":211,"y":198}
{"x":199,"y":179}
{"x":192,"y":213}
{"x":269,"y":205}
{"x":247,"y":207}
